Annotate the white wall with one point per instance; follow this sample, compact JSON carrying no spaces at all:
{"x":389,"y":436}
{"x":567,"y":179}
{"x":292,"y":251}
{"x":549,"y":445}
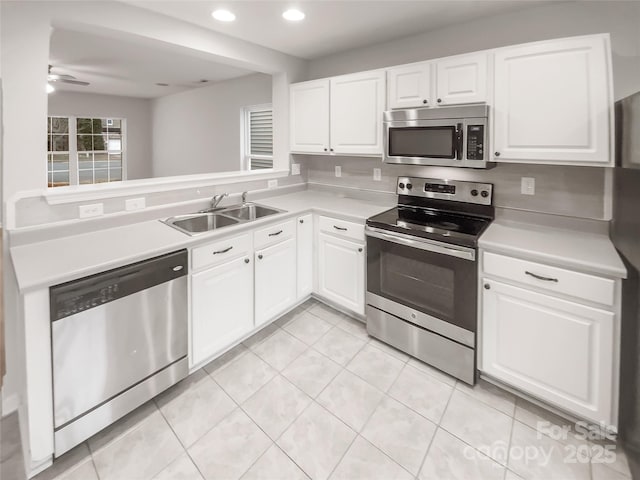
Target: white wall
{"x":619,"y":18}
{"x":198,"y":131}
{"x":137,"y":112}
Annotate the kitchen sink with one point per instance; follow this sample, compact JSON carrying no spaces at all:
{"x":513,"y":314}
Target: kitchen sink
{"x":200,"y":222}
{"x":208,"y":220}
{"x":250,"y":211}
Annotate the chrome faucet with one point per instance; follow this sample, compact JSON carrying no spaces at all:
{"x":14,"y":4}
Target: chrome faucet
{"x":217,"y":199}
{"x":244,"y":197}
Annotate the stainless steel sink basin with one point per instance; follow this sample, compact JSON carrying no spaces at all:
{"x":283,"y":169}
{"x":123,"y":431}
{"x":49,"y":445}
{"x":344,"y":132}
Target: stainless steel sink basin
{"x":200,"y":222}
{"x":250,"y":211}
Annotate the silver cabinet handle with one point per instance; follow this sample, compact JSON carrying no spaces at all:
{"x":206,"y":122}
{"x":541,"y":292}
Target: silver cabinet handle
{"x":223,"y":251}
{"x":540,"y":277}
{"x":301,"y":221}
{"x":340,"y":228}
{"x":260,"y":257}
{"x":276,"y":233}
{"x":246,"y":260}
{"x":360,"y":249}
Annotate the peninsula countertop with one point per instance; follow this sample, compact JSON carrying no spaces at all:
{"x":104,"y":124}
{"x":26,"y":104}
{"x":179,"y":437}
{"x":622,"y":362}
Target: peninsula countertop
{"x":51,"y":262}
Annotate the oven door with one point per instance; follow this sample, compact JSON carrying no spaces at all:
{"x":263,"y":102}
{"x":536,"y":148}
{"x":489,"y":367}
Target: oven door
{"x":428,"y":283}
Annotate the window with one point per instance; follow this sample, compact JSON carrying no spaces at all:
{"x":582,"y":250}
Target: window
{"x":258,"y":137}
{"x":85,"y":150}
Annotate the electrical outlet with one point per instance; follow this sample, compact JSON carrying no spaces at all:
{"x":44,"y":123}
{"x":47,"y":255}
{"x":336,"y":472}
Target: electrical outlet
{"x":528,"y":186}
{"x":377,"y":174}
{"x":93,"y":210}
{"x":295,"y":169}
{"x":338,"y":171}
{"x":135,"y":204}
{"x":272,"y":183}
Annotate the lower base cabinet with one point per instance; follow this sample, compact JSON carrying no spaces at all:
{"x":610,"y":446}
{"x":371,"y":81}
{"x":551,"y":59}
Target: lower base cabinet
{"x":275,"y":280}
{"x":557,"y":350}
{"x":222,"y":307}
{"x":341,"y":271}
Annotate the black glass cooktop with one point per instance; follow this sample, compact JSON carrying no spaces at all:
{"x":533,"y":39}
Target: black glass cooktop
{"x":429,"y":223}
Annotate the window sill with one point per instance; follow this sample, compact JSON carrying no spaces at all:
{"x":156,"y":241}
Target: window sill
{"x":83,"y":193}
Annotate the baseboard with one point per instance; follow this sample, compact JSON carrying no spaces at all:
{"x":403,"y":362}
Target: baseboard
{"x":10,"y":404}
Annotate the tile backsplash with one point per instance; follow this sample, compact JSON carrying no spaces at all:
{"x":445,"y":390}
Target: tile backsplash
{"x":560,"y":190}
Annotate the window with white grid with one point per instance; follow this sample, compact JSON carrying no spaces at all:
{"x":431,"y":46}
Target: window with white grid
{"x":85,"y":150}
{"x":258,"y":137}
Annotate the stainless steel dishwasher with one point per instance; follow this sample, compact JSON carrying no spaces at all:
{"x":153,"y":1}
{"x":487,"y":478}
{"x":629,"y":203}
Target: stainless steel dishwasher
{"x":118,"y":339}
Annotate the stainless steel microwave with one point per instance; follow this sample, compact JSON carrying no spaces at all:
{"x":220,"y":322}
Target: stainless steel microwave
{"x":443,"y":136}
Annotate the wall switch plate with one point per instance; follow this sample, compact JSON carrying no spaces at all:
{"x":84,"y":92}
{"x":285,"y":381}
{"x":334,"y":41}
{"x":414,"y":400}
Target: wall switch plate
{"x":528,"y":186}
{"x":338,"y":171}
{"x":135,"y":204}
{"x":295,"y":169}
{"x":93,"y":210}
{"x":377,"y":174}
{"x":272,"y":183}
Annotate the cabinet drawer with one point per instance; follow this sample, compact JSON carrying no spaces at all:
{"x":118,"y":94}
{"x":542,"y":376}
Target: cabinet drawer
{"x":342,"y":228}
{"x":554,"y":279}
{"x":220,"y":251}
{"x":274,"y":234}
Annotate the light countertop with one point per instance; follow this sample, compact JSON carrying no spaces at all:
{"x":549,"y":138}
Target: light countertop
{"x":588,"y":252}
{"x":51,"y":262}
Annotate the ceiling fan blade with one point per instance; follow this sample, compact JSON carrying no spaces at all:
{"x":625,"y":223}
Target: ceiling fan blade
{"x":72,"y":82}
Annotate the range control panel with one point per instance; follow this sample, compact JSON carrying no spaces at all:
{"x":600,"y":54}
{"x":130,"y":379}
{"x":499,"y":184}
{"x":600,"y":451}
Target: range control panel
{"x":475,"y":142}
{"x":454,"y":190}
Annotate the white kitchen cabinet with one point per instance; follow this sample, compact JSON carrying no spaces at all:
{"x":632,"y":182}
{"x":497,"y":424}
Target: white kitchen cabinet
{"x":309,"y":116}
{"x":357,"y":103}
{"x":304,"y":239}
{"x":341,"y":271}
{"x":409,"y":86}
{"x":221,"y":307}
{"x":553,"y":102}
{"x":559,"y":351}
{"x":461,"y":79}
{"x":275,"y":280}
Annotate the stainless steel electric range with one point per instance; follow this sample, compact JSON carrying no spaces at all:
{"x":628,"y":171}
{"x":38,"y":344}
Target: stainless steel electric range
{"x":422,"y":275}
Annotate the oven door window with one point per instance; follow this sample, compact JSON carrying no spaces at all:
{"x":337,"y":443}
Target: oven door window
{"x":433,"y":283}
{"x":427,"y":142}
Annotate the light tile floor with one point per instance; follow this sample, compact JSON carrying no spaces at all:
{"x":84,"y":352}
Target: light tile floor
{"x":312,"y":396}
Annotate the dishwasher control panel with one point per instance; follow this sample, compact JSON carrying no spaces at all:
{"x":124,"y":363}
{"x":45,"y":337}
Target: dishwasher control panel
{"x":91,"y":292}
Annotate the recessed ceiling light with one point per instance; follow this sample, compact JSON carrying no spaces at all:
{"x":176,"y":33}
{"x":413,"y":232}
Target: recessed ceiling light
{"x":223,"y":15}
{"x":160,"y":84}
{"x":50,"y":88}
{"x":293,"y":15}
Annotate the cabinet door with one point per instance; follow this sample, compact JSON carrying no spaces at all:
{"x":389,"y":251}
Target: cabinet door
{"x":341,"y":271}
{"x":462,"y":79}
{"x":275,"y":280}
{"x":556,"y":350}
{"x":304,"y":238}
{"x":553,"y":102}
{"x":357,"y":103}
{"x":409,"y":86}
{"x":309,"y":116}
{"x":221,"y":307}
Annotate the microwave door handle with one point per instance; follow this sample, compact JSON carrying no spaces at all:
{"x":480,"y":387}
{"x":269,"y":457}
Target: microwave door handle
{"x":459,"y":140}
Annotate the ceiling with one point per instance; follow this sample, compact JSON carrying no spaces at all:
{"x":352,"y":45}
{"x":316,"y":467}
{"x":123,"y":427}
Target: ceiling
{"x":128,"y":68}
{"x":330,"y":26}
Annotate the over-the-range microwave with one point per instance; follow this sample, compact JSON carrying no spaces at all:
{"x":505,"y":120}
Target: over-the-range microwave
{"x":443,"y":136}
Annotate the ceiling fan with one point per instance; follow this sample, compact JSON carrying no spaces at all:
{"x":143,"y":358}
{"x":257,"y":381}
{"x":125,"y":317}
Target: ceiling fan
{"x":61,"y":78}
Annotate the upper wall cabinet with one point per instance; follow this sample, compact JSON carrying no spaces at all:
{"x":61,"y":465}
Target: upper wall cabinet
{"x":341,"y":115}
{"x":357,"y":103}
{"x":309,"y":116}
{"x":553,"y":102}
{"x":449,"y":81}
{"x":409,"y":86}
{"x":461,"y":79}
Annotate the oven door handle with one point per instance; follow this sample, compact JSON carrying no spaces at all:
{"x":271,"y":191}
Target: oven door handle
{"x":423,"y":244}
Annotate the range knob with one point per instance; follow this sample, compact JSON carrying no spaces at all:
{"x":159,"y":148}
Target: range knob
{"x":474,"y":193}
{"x":401,"y":185}
{"x":409,"y":186}
{"x":484,"y":194}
